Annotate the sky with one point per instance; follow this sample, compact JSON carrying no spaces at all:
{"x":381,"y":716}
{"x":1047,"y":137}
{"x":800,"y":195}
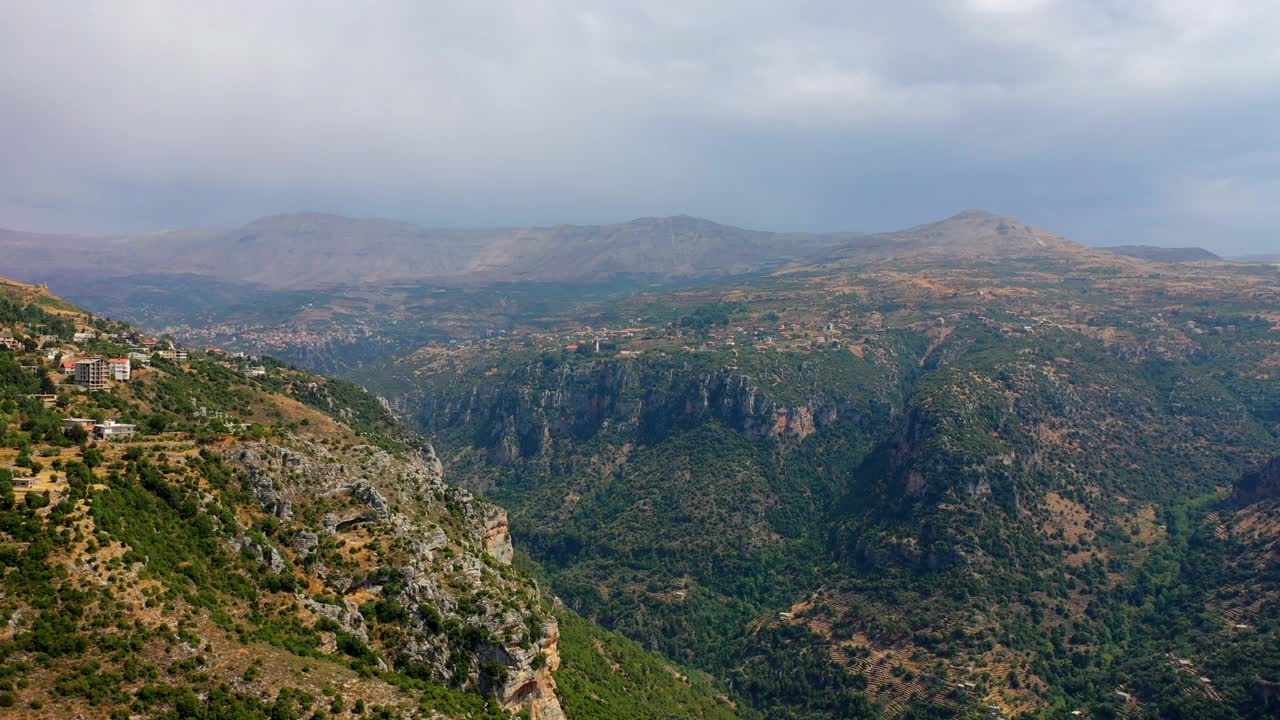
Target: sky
{"x":1108,"y":121}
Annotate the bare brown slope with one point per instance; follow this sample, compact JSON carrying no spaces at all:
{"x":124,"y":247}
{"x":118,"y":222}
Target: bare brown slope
{"x":972,"y":235}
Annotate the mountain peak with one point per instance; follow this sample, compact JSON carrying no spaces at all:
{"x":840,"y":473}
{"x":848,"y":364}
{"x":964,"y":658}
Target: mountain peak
{"x":974,"y":214}
{"x":972,"y":233}
{"x":674,"y":221}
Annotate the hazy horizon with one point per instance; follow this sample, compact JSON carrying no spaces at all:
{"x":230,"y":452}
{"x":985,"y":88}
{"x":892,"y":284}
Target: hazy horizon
{"x":1104,"y":122}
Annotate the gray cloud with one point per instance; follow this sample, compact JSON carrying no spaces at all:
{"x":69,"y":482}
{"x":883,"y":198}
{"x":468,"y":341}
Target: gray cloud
{"x":1110,"y":120}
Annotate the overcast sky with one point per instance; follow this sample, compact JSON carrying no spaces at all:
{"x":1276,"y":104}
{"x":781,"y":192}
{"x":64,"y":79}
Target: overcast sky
{"x":1109,"y":121}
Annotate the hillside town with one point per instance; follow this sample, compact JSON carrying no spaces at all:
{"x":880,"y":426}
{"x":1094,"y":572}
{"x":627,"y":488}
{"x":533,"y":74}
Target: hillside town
{"x":78,"y":379}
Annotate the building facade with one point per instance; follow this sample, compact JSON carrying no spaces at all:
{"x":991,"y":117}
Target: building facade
{"x":92,"y":373}
{"x":110,"y":430}
{"x":121,"y":370}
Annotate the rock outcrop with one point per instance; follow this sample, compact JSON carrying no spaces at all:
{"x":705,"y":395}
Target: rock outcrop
{"x":1261,"y":484}
{"x":435,"y":561}
{"x":497,"y":535}
{"x":535,"y":689}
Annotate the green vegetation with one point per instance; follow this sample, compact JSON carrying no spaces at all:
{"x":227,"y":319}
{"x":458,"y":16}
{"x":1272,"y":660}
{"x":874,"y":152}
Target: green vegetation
{"x":948,"y":505}
{"x":902,"y":490}
{"x":605,"y":676}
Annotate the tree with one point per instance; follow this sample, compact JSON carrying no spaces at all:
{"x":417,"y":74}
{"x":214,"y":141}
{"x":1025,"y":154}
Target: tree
{"x":157,"y":424}
{"x":76,"y":434}
{"x":91,"y":456}
{"x":7,"y":499}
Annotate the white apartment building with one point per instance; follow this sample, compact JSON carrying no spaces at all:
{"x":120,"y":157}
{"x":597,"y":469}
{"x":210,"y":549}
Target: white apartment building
{"x":110,"y":429}
{"x":121,"y":370}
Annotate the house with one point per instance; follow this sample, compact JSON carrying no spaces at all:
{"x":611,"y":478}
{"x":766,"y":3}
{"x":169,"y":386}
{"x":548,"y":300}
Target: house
{"x":110,"y":429}
{"x":92,"y":373}
{"x":120,"y":369}
{"x":68,"y":366}
{"x":174,"y":355}
{"x":141,"y":358}
{"x":47,"y":339}
{"x":22,"y":483}
{"x":10,"y":342}
{"x":84,"y":336}
{"x":255,"y":371}
{"x":73,"y":422}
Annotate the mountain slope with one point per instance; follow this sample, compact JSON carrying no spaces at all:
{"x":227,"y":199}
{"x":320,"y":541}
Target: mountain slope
{"x":1162,"y":254}
{"x":970,"y":236}
{"x":268,"y":543}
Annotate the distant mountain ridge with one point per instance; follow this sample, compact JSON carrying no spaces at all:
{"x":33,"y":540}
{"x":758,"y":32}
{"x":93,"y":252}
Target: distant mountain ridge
{"x":315,"y":250}
{"x":311,"y":250}
{"x":1273,"y":258}
{"x":1163,"y":254}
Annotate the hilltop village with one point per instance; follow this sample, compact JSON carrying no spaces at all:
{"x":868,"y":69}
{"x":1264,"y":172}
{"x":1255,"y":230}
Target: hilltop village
{"x":83,"y":361}
{"x":78,"y":379}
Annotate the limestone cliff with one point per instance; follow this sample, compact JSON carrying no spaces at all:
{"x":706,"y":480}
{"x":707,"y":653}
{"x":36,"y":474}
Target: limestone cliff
{"x":395,"y":544}
{"x":534,"y":407}
{"x":497,"y":535}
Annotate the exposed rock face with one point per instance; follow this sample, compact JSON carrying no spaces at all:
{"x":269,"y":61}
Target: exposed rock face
{"x":523,"y":417}
{"x":369,"y":495}
{"x":263,"y":552}
{"x":264,"y":490}
{"x":304,"y":542}
{"x":535,"y":690}
{"x":451,"y":586}
{"x":1261,"y":484}
{"x":497,"y":535}
{"x":798,"y":422}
